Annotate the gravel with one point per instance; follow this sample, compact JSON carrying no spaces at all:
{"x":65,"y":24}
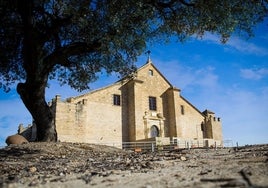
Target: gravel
{"x":82,"y":165}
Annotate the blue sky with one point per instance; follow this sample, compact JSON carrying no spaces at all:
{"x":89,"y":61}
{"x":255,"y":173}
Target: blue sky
{"x":230,"y":80}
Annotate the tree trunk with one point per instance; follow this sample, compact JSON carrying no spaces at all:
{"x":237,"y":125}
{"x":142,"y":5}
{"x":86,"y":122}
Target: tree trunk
{"x":33,"y":97}
{"x":32,"y":92}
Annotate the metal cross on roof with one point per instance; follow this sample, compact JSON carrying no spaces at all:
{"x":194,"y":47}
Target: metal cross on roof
{"x":148,"y":53}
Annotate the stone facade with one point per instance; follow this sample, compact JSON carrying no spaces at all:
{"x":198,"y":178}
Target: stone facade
{"x":142,"y":107}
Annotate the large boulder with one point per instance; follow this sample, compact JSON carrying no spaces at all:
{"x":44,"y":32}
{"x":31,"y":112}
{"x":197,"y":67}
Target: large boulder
{"x":16,"y":139}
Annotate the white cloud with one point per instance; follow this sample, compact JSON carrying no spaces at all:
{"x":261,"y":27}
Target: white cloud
{"x":206,"y":77}
{"x":178,"y":75}
{"x":183,"y":77}
{"x":245,"y":115}
{"x":247,"y":47}
{"x":254,"y":74}
{"x":238,"y":44}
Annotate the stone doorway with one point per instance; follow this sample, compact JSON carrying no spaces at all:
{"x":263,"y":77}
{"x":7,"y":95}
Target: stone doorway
{"x":154,"y":131}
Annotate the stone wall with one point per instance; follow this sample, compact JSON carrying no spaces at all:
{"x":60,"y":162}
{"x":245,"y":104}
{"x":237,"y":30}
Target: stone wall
{"x":149,"y":83}
{"x":90,"y":118}
{"x":189,"y":121}
{"x":93,"y":117}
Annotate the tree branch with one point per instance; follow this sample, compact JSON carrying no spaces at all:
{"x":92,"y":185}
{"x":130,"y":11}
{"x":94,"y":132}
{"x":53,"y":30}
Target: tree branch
{"x":172,"y":2}
{"x":186,"y":3}
{"x":60,"y":55}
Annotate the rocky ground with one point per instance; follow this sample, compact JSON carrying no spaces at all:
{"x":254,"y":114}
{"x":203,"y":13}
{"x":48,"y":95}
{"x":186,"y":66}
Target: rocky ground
{"x":85,"y":165}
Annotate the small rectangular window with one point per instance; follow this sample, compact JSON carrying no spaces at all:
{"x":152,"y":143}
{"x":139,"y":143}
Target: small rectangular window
{"x":182,"y":109}
{"x":117,"y":100}
{"x":152,"y":103}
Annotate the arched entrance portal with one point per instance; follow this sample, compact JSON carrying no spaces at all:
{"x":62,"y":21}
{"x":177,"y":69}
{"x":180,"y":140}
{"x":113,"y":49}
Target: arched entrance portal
{"x":154,"y":131}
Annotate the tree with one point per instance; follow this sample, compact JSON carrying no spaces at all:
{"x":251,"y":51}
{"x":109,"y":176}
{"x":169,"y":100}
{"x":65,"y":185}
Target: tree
{"x":72,"y":40}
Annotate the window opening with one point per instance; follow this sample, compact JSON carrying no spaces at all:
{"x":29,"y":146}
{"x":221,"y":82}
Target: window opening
{"x":151,"y":72}
{"x":182,"y":110}
{"x":117,"y":100}
{"x":202,"y":126}
{"x":152,"y":103}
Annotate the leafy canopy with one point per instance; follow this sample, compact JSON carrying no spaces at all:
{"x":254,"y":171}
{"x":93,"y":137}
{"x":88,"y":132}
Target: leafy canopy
{"x":72,"y":40}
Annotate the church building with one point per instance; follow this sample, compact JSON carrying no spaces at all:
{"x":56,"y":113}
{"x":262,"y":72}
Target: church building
{"x":140,"y":108}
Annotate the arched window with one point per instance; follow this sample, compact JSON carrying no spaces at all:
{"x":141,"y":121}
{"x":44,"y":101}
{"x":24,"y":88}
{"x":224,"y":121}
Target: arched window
{"x":151,"y":72}
{"x":154,"y":131}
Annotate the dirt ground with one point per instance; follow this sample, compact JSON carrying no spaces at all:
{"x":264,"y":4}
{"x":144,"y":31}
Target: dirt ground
{"x":86,"y":165}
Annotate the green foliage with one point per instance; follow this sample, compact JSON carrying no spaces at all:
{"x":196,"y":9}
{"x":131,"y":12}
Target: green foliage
{"x":72,"y":40}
